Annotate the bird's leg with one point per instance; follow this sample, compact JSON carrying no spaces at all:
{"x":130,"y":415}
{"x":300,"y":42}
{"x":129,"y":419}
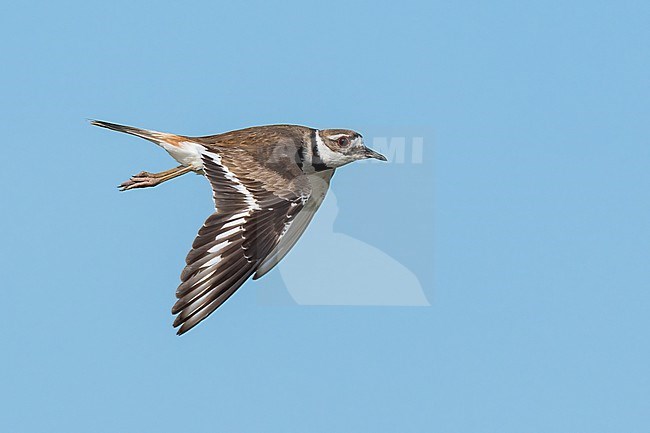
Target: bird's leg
{"x":144,"y":179}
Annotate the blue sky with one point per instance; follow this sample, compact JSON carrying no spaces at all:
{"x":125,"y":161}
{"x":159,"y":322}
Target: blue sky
{"x":526,"y":224}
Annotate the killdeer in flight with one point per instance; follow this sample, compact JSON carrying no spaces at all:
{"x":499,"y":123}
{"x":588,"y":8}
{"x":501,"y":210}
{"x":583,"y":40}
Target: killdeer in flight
{"x":267,"y":182}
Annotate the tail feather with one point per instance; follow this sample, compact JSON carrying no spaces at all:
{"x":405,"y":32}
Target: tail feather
{"x":153,"y":136}
{"x":181,"y":148}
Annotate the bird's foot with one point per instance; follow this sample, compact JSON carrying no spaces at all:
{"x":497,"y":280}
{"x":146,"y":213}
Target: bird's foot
{"x":144,"y":179}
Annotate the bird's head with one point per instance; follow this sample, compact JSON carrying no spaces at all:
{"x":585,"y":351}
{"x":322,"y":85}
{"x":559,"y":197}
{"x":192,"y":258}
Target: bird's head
{"x":337,"y":147}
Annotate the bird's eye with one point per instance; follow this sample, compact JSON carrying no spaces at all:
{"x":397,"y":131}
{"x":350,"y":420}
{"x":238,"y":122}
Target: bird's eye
{"x":344,"y":142}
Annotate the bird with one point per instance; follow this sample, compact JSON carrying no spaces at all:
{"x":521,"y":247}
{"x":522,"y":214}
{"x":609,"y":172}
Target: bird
{"x":267,"y":183}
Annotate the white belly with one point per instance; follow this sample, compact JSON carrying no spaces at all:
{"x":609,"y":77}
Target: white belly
{"x":186,"y":153}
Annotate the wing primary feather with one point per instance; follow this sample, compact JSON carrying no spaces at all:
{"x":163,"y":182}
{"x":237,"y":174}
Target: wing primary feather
{"x":215,"y":279}
{"x":213,"y":300}
{"x":197,"y":318}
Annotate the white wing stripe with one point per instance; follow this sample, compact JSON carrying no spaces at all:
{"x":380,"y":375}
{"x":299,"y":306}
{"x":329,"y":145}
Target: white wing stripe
{"x":213,"y":261}
{"x":218,"y":247}
{"x":236,"y":222}
{"x":249,"y":198}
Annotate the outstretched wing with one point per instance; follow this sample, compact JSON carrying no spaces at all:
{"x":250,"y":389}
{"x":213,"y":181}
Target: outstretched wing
{"x":253,"y":213}
{"x":320,"y":182}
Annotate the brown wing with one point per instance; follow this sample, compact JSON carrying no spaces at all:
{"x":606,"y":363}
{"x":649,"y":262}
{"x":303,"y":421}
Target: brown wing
{"x":254,"y":208}
{"x":320,"y":182}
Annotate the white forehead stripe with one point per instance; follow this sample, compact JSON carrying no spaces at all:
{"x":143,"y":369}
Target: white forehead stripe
{"x":337,"y":136}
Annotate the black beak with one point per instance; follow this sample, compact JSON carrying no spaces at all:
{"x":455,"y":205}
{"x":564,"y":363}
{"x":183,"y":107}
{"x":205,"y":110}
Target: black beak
{"x":369,"y":153}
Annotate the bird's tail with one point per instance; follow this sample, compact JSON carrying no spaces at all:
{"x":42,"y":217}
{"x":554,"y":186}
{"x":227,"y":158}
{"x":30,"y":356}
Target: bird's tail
{"x":153,"y":136}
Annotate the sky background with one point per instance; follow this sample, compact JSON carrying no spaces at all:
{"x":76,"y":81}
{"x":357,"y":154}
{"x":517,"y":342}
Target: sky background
{"x":527,"y":222}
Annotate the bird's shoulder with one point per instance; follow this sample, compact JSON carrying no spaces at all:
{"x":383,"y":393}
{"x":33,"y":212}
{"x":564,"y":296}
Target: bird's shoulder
{"x":256,"y":137}
{"x":267,"y":155}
